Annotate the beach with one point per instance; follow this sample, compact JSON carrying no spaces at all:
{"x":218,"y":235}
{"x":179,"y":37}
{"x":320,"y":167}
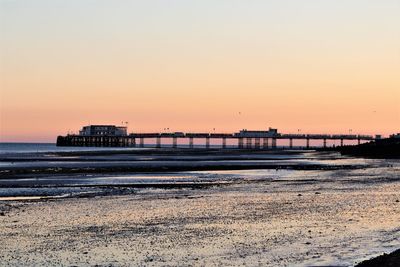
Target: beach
{"x":200,"y":133}
{"x":243,"y":208}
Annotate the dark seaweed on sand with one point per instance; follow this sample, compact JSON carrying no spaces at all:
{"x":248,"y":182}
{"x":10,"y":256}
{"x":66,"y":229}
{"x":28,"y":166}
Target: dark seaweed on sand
{"x":385,"y":260}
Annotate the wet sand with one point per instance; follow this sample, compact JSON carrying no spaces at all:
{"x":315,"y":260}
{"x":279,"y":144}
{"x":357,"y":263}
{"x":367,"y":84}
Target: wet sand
{"x":166,"y":160}
{"x":264,"y":217}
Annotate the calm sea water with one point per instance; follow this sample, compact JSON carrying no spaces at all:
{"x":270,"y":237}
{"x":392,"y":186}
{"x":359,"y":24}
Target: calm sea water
{"x":6,"y":148}
{"x":10,"y":148}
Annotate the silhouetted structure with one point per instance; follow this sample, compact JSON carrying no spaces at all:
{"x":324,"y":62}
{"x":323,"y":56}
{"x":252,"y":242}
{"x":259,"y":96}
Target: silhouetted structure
{"x":109,"y":136}
{"x":380,"y":148}
{"x":103,"y":130}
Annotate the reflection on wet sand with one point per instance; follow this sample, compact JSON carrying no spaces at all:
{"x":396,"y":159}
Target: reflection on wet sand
{"x":252,"y":217}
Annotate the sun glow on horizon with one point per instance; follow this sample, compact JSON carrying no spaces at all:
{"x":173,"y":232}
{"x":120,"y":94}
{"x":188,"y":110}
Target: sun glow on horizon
{"x":318,"y":66}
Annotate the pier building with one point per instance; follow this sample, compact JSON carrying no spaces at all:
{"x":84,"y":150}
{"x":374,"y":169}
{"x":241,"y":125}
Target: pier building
{"x":103,"y":130}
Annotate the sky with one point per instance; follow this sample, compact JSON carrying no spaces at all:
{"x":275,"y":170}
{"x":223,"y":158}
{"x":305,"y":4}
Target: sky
{"x":312,"y":66}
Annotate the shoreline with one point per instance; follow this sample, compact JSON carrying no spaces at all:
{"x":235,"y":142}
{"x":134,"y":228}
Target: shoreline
{"x":166,"y":160}
{"x":20,"y":173}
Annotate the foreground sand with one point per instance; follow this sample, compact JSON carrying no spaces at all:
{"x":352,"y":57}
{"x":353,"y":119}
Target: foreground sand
{"x":255,"y":223}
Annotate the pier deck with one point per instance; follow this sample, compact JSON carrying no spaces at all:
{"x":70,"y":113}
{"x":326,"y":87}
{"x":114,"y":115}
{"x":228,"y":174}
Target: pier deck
{"x":245,"y":139}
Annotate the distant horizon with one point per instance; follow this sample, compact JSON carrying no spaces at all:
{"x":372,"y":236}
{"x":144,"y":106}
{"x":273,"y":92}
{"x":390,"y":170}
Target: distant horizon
{"x":319,"y":66}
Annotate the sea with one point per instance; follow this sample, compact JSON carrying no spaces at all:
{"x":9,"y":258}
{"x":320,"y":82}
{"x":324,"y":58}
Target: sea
{"x":10,"y":148}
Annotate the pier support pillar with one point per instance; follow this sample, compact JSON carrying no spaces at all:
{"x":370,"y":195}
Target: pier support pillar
{"x":207,"y":142}
{"x":224,"y":142}
{"x":324,"y":143}
{"x":273,"y":143}
{"x":359,"y":141}
{"x":190,"y":142}
{"x":290,"y":143}
{"x":307,"y":143}
{"x":107,"y":141}
{"x":134,"y":142}
{"x":141,"y":142}
{"x":174,"y":142}
{"x":257,"y":143}
{"x":158,"y":142}
{"x":248,"y":142}
{"x":341,"y":142}
{"x":265,"y":143}
{"x":240,"y":142}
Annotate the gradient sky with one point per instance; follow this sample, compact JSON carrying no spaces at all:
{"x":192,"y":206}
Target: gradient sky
{"x":319,"y":66}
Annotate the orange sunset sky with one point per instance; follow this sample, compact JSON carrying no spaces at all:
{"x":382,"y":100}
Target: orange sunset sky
{"x":319,"y":66}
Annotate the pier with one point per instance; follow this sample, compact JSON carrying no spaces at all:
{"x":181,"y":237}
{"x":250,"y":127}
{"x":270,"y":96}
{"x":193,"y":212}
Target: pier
{"x":243,"y":139}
